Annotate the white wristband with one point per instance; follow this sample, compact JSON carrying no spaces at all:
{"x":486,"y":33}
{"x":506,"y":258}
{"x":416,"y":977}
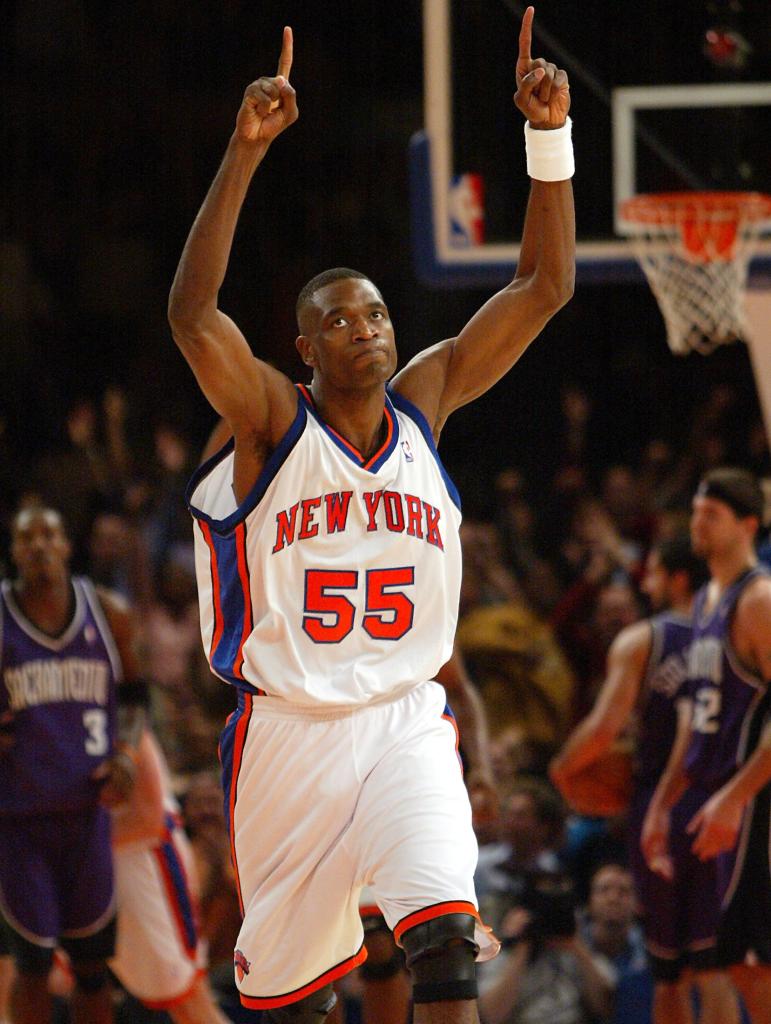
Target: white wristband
{"x":550,"y":152}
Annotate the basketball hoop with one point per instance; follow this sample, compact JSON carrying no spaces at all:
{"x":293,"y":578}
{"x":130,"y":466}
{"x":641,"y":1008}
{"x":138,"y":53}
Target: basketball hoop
{"x":695,"y":249}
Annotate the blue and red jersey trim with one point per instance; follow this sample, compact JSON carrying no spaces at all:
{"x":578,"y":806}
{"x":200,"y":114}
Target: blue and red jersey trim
{"x":274,"y":463}
{"x":177,"y":889}
{"x":231,"y":602}
{"x":374,"y":462}
{"x":231,"y":751}
{"x":448,"y":716}
{"x":405,"y":406}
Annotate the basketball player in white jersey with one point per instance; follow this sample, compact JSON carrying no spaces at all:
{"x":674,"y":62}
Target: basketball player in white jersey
{"x":328,"y":567}
{"x":158,"y":954}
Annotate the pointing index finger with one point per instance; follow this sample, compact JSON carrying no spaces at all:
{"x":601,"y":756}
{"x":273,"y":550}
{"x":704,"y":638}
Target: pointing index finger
{"x":285,"y":60}
{"x":526,"y":34}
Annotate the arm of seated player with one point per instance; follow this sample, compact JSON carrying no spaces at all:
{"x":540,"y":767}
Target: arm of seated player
{"x":498,"y":997}
{"x":454,"y":372}
{"x":119,"y":771}
{"x":627,"y":659}
{"x":470,"y":715}
{"x":654,"y":840}
{"x":142,"y":816}
{"x":258,"y":401}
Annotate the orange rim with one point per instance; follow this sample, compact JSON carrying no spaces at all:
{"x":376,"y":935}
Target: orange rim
{"x":668,"y":209}
{"x":709,"y":224}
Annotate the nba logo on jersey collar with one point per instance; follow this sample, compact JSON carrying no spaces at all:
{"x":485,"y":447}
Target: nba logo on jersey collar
{"x":241,"y":963}
{"x":407,"y":451}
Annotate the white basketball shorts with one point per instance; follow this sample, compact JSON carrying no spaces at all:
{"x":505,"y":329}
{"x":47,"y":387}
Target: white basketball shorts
{"x":157,"y":956}
{"x":326,"y":804}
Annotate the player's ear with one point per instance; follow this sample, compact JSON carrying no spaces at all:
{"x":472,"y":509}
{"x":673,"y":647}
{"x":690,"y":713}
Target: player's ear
{"x":305,"y":349}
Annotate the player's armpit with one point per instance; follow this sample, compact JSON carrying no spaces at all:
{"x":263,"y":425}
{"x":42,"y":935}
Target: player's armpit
{"x":423,"y":380}
{"x":494,"y":339}
{"x":251,"y":395}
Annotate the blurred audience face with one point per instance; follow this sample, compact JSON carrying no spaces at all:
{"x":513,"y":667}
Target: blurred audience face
{"x":509,"y":484}
{"x":177,"y":587}
{"x":81,"y":424}
{"x":711,"y":452}
{"x":109,"y":541}
{"x":612,"y":897}
{"x":204,"y":803}
{"x":620,"y":494}
{"x":616,"y":609}
{"x":520,"y":824}
{"x":171,"y":449}
{"x":531,"y":822}
{"x":656,"y":583}
{"x":576,"y":406}
{"x":505,"y":754}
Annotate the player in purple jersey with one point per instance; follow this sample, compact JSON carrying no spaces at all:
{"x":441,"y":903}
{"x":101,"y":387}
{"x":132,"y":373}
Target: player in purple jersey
{"x":71,"y":702}
{"x":347,"y":338}
{"x":645,"y":673}
{"x":723,"y":750}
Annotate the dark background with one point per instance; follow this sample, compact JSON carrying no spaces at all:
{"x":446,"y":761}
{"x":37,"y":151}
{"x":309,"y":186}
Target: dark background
{"x":114,"y":119}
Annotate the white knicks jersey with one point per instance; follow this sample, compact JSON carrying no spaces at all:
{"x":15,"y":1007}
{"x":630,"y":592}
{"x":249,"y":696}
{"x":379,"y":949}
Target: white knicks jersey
{"x":336,"y":581}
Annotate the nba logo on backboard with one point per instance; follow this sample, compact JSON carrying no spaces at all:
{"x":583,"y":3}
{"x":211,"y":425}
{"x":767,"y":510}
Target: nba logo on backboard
{"x":466,"y":209}
{"x":407,"y":451}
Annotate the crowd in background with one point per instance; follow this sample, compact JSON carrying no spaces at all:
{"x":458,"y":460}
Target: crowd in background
{"x":550,"y":578}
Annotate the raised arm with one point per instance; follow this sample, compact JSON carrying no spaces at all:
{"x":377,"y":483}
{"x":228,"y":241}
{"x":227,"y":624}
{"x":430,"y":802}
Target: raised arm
{"x":627,"y":658}
{"x":455,"y":371}
{"x":257,"y":401}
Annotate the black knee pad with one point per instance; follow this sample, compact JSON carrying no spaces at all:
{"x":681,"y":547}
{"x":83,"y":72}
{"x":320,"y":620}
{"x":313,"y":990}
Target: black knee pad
{"x":665,"y":970}
{"x":311,"y":1010}
{"x":91,"y":978}
{"x":373,"y":971}
{"x":700,"y":960}
{"x":375,"y":968}
{"x":29,"y":958}
{"x":88,"y":949}
{"x":441,"y":955}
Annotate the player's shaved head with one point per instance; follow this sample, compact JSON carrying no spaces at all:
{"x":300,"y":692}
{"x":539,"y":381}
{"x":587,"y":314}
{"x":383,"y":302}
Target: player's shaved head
{"x":307,"y":293}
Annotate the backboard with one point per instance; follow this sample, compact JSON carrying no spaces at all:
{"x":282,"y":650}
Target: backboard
{"x":652,"y":112}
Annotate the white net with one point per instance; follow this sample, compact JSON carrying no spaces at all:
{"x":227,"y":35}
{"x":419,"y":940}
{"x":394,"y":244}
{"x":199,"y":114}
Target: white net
{"x":695,"y":250}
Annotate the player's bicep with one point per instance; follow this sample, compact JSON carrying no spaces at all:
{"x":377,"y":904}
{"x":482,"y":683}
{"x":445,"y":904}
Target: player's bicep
{"x":123,"y":628}
{"x":492,"y":342}
{"x":233,"y":381}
